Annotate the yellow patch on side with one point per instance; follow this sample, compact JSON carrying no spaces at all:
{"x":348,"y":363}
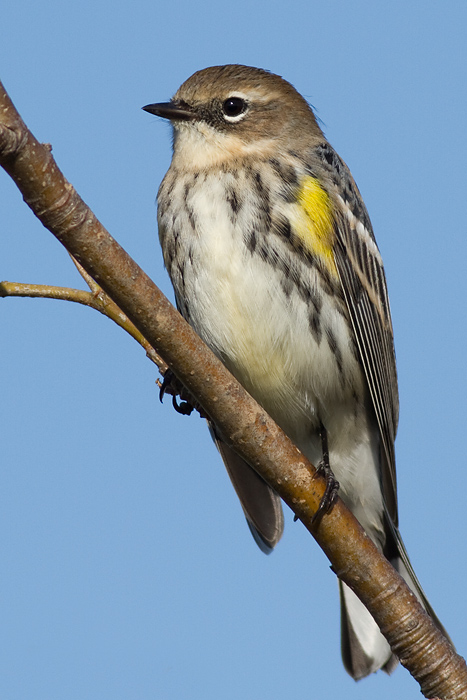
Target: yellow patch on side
{"x":314,"y":222}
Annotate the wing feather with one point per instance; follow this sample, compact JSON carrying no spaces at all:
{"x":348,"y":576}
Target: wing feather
{"x":363,"y":281}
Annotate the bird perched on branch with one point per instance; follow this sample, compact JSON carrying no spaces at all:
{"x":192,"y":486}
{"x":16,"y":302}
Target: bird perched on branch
{"x":272,"y":256}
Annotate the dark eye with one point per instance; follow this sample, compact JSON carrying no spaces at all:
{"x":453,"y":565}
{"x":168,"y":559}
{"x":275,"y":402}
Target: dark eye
{"x":234,"y":107}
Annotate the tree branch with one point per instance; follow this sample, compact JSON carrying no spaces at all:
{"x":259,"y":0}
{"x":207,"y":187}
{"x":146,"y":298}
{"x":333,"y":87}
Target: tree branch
{"x":97,"y":299}
{"x":241,"y":421}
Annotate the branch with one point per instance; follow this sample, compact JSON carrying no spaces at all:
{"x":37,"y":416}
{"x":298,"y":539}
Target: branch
{"x":242,"y":422}
{"x":96,"y":299}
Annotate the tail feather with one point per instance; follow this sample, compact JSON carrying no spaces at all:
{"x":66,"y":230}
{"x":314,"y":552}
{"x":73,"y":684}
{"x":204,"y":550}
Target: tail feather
{"x":402,"y":564}
{"x":364,"y":649}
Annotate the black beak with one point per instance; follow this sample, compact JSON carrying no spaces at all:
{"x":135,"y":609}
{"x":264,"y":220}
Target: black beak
{"x":170,"y":110}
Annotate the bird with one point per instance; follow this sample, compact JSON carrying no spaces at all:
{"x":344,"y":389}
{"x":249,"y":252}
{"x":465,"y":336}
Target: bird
{"x":274,"y":263}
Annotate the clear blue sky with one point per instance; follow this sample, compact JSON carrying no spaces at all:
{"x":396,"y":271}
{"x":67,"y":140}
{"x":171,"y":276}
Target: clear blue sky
{"x":126,"y":567}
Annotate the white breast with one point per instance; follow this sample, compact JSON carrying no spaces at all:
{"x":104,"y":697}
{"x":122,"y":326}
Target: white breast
{"x":236,"y":302}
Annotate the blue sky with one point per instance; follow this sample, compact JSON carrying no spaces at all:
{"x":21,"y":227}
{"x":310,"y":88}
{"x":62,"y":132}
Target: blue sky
{"x":126,"y":568}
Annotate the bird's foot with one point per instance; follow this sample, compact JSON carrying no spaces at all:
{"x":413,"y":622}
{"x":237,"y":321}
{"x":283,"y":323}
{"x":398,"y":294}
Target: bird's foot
{"x":171,"y":385}
{"x":330,"y":494}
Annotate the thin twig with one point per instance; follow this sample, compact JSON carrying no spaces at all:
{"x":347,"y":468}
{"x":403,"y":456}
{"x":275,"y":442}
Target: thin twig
{"x":97,"y":299}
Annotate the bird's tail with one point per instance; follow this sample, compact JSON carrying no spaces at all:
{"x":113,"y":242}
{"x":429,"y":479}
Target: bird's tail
{"x":364,"y":649}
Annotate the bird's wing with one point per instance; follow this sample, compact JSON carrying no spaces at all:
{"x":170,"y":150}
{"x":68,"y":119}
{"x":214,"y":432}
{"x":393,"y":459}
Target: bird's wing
{"x":261,"y":505}
{"x":361,"y":272}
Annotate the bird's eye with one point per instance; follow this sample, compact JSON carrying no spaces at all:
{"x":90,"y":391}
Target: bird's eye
{"x":234,"y":108}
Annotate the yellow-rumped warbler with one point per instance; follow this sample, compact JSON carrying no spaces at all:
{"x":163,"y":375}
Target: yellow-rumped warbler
{"x":274,"y":263}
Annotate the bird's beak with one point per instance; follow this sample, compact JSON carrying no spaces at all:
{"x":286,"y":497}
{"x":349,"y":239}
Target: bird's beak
{"x":170,"y":110}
